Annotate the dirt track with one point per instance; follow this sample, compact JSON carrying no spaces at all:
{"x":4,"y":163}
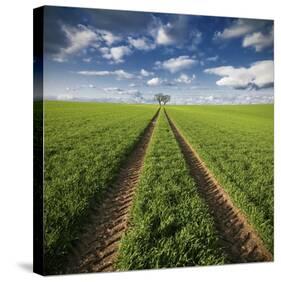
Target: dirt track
{"x":238,"y":238}
{"x":97,"y":248}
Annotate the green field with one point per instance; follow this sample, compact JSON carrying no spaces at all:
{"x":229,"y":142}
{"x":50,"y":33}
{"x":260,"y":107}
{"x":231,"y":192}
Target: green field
{"x":84,"y":144}
{"x":170,"y":223}
{"x":236,"y":143}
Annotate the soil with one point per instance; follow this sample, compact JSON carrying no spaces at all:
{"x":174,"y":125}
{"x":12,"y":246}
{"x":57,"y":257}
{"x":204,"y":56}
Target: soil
{"x":97,"y":247}
{"x":237,"y":237}
{"x":96,"y":250}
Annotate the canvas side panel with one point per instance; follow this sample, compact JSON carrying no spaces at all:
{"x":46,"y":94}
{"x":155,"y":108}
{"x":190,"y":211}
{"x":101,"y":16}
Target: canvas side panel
{"x":38,"y":249}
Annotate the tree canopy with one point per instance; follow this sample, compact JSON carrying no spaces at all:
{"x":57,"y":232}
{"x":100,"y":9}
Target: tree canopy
{"x":162,"y":99}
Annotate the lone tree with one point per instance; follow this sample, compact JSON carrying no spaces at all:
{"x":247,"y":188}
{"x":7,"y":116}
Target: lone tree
{"x":162,"y":99}
{"x":158,"y":98}
{"x":166,"y":99}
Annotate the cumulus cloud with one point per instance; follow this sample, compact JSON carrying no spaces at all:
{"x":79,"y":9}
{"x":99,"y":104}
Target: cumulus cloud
{"x":163,"y":33}
{"x":259,"y":75}
{"x":175,"y":32}
{"x":258,"y":40}
{"x":109,"y":37}
{"x":155,"y":81}
{"x":120,"y":74}
{"x":81,"y":37}
{"x":256,"y":33}
{"x":119,"y":52}
{"x":184,"y":78}
{"x":115,"y":54}
{"x":163,"y":37}
{"x":141,"y":43}
{"x":145,"y":73}
{"x":78,"y":38}
{"x":239,"y":28}
{"x":174,"y":65}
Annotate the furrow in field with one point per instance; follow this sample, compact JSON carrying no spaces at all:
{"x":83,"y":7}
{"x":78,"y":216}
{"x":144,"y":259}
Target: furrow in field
{"x":97,"y":248}
{"x":170,"y":225}
{"x":238,"y":238}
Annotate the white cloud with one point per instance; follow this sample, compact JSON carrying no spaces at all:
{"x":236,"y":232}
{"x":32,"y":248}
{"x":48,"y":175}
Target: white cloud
{"x":132,"y":85}
{"x":141,"y":43}
{"x":128,"y":95}
{"x":163,"y":37}
{"x":109,"y":89}
{"x":258,"y":40}
{"x":120,"y":74}
{"x":95,"y":73}
{"x":155,"y":81}
{"x":79,"y":38}
{"x":259,"y":75}
{"x":115,"y":54}
{"x":239,"y":28}
{"x":132,"y":91}
{"x":109,"y":37}
{"x":183,"y":78}
{"x":65,"y":97}
{"x":145,"y":73}
{"x":87,"y":60}
{"x":176,"y":64}
{"x":162,"y":33}
{"x":119,"y":52}
{"x":250,"y":30}
{"x":176,"y":32}
{"x":79,"y":87}
{"x":105,"y":51}
{"x":113,"y":89}
{"x":212,"y":59}
{"x":60,"y":58}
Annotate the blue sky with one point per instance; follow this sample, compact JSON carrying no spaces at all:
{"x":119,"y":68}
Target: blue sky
{"x":120,"y":56}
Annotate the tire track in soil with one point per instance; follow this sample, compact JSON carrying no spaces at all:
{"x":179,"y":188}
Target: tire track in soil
{"x":97,"y":248}
{"x":237,"y":237}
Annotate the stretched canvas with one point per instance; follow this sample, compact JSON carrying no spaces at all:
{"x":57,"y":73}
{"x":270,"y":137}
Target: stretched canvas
{"x":153,"y":140}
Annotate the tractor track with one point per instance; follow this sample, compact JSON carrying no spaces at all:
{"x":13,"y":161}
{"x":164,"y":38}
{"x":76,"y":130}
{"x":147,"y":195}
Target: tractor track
{"x":97,"y":248}
{"x":237,"y":237}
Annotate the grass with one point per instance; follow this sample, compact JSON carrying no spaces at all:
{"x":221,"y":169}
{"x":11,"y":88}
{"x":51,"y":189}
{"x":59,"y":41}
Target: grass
{"x":236,"y":143}
{"x":170,"y":224}
{"x":84,"y":145}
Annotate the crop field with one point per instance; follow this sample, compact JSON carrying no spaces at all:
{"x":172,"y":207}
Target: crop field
{"x":84,"y":144}
{"x":171,"y":225}
{"x":236,"y":143}
{"x":128,"y":187}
